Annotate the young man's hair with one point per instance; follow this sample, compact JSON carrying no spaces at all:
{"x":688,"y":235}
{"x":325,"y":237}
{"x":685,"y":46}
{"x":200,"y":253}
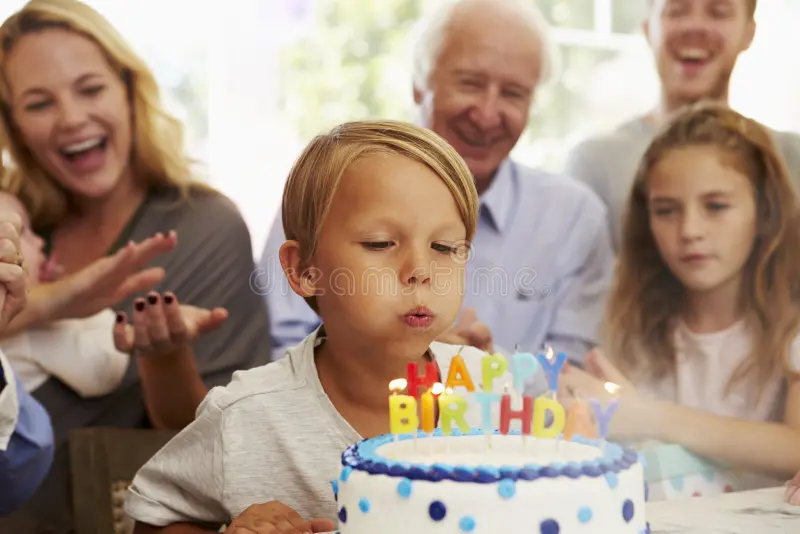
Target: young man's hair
{"x":751,"y":6}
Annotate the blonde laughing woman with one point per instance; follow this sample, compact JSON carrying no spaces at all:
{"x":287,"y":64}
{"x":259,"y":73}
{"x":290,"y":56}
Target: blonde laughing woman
{"x":99,"y":163}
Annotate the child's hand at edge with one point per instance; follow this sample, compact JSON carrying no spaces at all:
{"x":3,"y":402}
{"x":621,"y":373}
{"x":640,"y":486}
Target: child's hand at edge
{"x":162,"y":326}
{"x":793,"y":490}
{"x":276,"y":518}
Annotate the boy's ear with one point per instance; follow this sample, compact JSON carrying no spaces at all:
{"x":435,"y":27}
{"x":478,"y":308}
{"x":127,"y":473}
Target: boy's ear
{"x":301,"y":280}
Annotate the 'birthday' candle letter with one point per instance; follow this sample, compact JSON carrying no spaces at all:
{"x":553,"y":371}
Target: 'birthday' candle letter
{"x":540,"y":409}
{"x":403,"y":417}
{"x":603,"y":416}
{"x":453,"y":408}
{"x":486,"y":400}
{"x":507,"y":414}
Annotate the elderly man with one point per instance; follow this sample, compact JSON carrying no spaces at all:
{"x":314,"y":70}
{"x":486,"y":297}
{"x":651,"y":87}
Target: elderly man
{"x":696,"y":44}
{"x":541,"y":259}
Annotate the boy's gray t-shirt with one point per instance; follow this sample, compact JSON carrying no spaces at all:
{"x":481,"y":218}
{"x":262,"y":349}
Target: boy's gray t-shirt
{"x":271,"y":435}
{"x":608,"y":164}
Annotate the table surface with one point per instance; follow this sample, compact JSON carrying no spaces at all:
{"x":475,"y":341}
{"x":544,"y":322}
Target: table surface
{"x":750,"y":512}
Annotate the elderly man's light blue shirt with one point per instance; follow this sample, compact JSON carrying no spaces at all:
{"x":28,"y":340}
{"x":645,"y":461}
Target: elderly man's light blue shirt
{"x":539,"y":274}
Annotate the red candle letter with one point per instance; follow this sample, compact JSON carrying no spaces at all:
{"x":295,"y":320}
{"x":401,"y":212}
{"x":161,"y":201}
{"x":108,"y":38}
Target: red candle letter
{"x":427,"y":381}
{"x":507,"y":414}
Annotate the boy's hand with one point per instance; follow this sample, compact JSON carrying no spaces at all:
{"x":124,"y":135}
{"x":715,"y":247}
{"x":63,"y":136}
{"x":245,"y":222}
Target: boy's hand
{"x":793,"y":490}
{"x":162,"y":326}
{"x":276,"y":518}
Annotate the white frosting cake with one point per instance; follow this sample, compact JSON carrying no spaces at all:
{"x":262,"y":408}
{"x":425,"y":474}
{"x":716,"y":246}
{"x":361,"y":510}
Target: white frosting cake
{"x":489,"y":485}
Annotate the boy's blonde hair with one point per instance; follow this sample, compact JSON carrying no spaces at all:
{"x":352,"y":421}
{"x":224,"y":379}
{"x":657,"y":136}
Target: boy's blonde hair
{"x":316,"y":175}
{"x":158,"y":155}
{"x":647,"y":298}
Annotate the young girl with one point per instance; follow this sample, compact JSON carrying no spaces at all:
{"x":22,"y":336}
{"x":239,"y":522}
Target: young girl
{"x":377,"y":218}
{"x":703,"y":318}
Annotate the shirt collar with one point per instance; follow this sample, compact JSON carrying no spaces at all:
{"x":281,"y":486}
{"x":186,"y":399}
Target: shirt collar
{"x":497,"y":200}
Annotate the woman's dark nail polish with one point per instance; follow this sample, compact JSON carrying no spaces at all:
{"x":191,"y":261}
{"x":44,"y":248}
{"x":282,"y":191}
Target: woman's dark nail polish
{"x":139,"y":305}
{"x":168,"y":299}
{"x":120,"y":317}
{"x":152,"y":299}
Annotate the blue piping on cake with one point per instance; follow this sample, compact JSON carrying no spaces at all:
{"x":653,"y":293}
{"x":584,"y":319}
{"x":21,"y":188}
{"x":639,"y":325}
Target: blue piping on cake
{"x":363,"y":456}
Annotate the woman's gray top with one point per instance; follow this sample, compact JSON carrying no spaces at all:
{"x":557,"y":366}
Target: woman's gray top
{"x":211,"y":266}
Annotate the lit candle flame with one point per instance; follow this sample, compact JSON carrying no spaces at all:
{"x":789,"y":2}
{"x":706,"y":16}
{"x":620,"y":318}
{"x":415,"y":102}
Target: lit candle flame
{"x":612,"y":388}
{"x":549,"y":354}
{"x":438,"y":388}
{"x":397,"y":385}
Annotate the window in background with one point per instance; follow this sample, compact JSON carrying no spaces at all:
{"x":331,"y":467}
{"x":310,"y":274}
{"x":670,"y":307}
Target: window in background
{"x":356,"y":64}
{"x":176,"y":52}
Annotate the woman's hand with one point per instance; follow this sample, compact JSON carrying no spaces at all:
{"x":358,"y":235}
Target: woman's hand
{"x":163,"y":326}
{"x":13,"y":278}
{"x":105,"y":282}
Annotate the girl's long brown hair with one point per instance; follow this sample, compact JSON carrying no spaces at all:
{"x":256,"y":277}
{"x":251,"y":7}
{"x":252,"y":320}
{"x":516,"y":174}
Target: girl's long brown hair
{"x":646,"y":298}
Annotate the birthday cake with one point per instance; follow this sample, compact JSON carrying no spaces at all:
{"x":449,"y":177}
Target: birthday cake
{"x":461,"y":479}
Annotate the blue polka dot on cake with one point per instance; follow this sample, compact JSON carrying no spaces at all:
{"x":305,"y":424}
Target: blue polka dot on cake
{"x":627,"y":510}
{"x":437,"y":510}
{"x":363,"y":505}
{"x":585,"y":515}
{"x":612,"y":480}
{"x":549,"y":526}
{"x":343,"y":515}
{"x":467,"y":524}
{"x":404,"y":488}
{"x":507,"y":488}
{"x":346,"y":471}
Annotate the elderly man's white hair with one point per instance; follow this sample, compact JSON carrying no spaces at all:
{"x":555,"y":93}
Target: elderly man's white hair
{"x":430,"y":34}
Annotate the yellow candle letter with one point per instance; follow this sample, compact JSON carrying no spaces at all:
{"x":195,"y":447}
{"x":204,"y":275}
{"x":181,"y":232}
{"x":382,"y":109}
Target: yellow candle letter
{"x":403,"y":417}
{"x":492,"y":366}
{"x":458,"y":375}
{"x":540,"y":409}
